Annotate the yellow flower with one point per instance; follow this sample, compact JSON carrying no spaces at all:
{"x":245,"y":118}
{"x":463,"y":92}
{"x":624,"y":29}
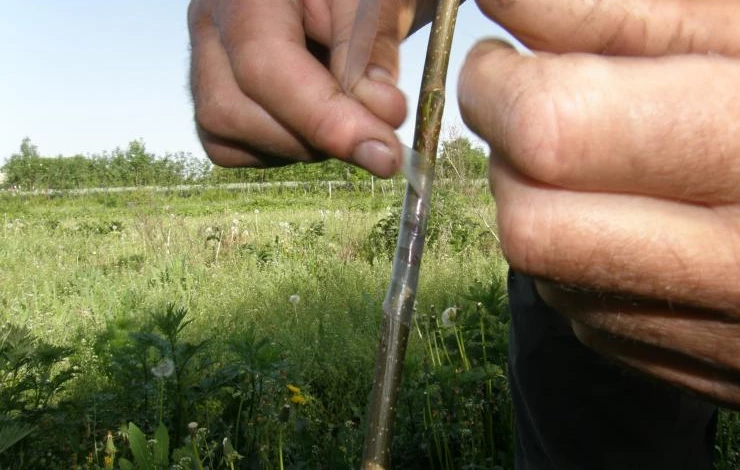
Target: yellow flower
{"x":298,"y":399}
{"x":293,"y":389}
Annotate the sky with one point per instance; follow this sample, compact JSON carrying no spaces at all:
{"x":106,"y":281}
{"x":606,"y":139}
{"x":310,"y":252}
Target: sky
{"x":85,"y":76}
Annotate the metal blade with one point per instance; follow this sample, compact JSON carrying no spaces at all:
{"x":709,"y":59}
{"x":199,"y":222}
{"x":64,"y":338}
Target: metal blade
{"x":364,"y":30}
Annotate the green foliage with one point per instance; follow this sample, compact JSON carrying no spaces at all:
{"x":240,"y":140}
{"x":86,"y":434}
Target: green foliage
{"x":458,"y":409}
{"x":328,"y":170}
{"x":12,"y":433}
{"x":147,"y":457}
{"x":33,"y":375}
{"x":32,"y":371}
{"x":727,"y":446}
{"x":459,"y":159}
{"x":276,"y":293}
{"x":135,"y":166}
{"x":449,"y":226}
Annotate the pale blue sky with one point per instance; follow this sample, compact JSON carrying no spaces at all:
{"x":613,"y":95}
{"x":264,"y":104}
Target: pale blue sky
{"x":84,"y":76}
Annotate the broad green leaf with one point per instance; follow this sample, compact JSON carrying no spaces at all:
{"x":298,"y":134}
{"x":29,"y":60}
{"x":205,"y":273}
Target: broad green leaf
{"x":137,"y":440}
{"x":161,"y":446}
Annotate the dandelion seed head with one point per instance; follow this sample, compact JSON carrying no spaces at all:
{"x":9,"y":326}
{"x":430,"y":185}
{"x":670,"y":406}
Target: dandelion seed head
{"x":165,"y":368}
{"x":448,"y":317}
{"x":294,"y":299}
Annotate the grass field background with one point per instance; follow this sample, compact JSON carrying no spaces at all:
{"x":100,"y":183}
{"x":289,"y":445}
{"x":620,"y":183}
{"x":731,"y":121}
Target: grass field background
{"x":219,"y":329}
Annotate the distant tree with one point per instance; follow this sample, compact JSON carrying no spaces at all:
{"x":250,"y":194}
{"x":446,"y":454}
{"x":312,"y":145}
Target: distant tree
{"x":24,"y":170}
{"x":459,"y":158}
{"x":133,"y":166}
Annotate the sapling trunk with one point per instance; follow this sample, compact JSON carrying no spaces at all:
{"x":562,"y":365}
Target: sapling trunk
{"x":399,"y":302}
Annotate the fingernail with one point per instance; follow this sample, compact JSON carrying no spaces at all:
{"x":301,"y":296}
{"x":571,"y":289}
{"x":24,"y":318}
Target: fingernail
{"x":380,"y":74}
{"x":376,"y":157}
{"x":500,"y":42}
{"x":488,"y":44}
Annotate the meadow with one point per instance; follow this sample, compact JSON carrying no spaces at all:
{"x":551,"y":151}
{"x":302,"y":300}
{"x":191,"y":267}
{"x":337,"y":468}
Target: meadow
{"x":223,"y":329}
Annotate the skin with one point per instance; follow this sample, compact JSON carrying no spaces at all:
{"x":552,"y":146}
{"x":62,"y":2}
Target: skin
{"x":615,"y":151}
{"x":616,"y":170}
{"x":264,"y":87}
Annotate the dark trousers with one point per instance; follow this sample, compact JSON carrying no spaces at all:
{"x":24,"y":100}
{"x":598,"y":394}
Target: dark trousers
{"x":577,"y":410}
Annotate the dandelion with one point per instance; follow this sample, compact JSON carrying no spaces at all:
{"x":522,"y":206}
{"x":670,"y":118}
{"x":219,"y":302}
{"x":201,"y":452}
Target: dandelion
{"x":110,"y":452}
{"x":296,"y":396}
{"x":164,"y":369}
{"x":230,"y":454}
{"x":448,"y":317}
{"x":298,"y":399}
{"x":294,"y":299}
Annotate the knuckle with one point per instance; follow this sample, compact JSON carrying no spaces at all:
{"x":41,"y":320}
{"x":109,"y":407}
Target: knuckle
{"x":213,"y":114}
{"x":332,"y":130}
{"x":521,"y":237}
{"x":531,"y":133}
{"x":254,"y":65}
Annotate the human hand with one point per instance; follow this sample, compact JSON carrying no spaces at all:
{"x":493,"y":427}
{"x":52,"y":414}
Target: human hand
{"x":265,"y":92}
{"x":616,"y":170}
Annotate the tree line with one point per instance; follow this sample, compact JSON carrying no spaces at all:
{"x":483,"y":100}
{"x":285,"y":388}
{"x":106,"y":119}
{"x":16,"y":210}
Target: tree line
{"x":135,"y":166}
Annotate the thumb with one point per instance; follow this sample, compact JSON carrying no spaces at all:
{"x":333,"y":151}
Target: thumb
{"x":366,"y":36}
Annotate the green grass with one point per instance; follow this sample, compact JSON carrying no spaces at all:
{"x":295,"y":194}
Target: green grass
{"x":101,"y":288}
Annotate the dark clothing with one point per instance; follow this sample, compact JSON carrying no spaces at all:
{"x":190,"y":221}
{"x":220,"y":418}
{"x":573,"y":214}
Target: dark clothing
{"x":577,"y":410}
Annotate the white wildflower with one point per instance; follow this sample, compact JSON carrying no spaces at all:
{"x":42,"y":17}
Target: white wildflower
{"x":448,"y":317}
{"x":165,"y":368}
{"x":294,"y":299}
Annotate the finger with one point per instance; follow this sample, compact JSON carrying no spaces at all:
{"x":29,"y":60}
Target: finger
{"x":697,"y":333}
{"x":266,"y":45}
{"x":225,"y":117}
{"x":621,"y":125}
{"x":719,"y":384}
{"x":366,"y":36}
{"x":620,"y":243}
{"x":621,"y":27}
{"x":233,"y":154}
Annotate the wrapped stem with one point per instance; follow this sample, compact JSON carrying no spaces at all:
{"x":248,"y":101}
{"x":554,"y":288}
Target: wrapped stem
{"x":399,"y":302}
